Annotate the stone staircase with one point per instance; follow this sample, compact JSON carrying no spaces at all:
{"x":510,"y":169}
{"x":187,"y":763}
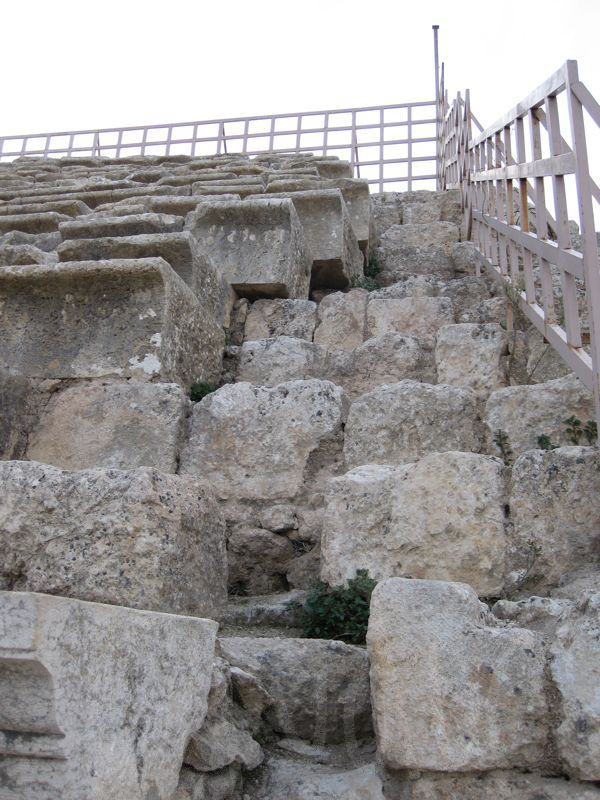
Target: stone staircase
{"x":365,"y":408}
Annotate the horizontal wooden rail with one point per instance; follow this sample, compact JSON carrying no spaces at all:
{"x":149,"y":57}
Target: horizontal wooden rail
{"x":517,"y":208}
{"x":370,"y":138}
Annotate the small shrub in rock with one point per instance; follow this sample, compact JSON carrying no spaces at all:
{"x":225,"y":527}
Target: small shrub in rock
{"x":544,"y":443}
{"x":369,"y":280}
{"x":339,"y":612}
{"x":502,"y":442}
{"x":200,"y":390}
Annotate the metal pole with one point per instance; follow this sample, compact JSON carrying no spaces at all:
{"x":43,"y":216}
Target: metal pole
{"x":436,"y":64}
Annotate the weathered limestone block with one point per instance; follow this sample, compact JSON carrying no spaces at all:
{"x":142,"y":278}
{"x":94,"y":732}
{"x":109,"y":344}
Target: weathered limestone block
{"x":219,"y":744}
{"x":134,"y":538}
{"x":180,"y":250}
{"x":266,"y":318}
{"x":384,"y":359}
{"x":341,"y":320}
{"x":466,"y":293}
{"x":269,"y":362}
{"x":402,"y":422}
{"x":320,"y":688}
{"x":555,"y":508}
{"x":499,"y":784}
{"x":111,"y":425}
{"x":259,"y":245}
{"x":255,"y":442}
{"x":337,"y":258}
{"x":32,"y":223}
{"x":18,"y":254}
{"x":412,"y":316}
{"x":409,"y":286}
{"x":97,"y":319}
{"x":96,"y":226}
{"x":98,"y":701}
{"x":386,"y":210}
{"x":421,"y":213}
{"x":479,"y":705}
{"x":295,"y":780}
{"x":69,"y":208}
{"x":418,"y":249}
{"x":47,"y":242}
{"x":467,"y":259}
{"x":524,"y":413}
{"x":18,"y":405}
{"x":441,"y":518}
{"x":543,"y":361}
{"x":257,"y":560}
{"x":576,"y":672}
{"x":473,"y":356}
{"x":358,"y":202}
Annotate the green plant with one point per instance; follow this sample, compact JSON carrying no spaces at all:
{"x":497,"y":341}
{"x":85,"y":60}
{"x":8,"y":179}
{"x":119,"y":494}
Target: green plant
{"x":502,"y":442}
{"x":200,"y":390}
{"x":544,"y":443}
{"x":369,"y":280}
{"x":590,"y":431}
{"x":339,"y":612}
{"x":574,"y":429}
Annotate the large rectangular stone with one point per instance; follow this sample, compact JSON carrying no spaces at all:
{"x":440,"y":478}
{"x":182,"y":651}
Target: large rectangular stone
{"x":31,"y":223}
{"x":358,"y":201}
{"x":259,"y":245}
{"x":95,"y":226}
{"x":441,"y":518}
{"x":338,"y":261}
{"x":136,"y":538}
{"x":97,"y":701}
{"x":180,"y":250}
{"x":110,"y":424}
{"x":450,"y":692}
{"x":128,"y":318}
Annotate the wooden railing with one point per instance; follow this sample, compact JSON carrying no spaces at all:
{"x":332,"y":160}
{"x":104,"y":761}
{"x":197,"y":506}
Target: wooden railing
{"x":518,"y":202}
{"x":390,"y":146}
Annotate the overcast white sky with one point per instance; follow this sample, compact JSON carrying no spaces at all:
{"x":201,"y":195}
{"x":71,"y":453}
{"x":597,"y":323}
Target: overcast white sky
{"x":69,"y":65}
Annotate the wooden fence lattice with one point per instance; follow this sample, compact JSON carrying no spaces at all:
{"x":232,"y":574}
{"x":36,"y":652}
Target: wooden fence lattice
{"x":513,"y":181}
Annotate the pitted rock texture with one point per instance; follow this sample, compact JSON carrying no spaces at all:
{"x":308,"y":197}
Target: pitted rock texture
{"x":524,"y":413}
{"x":267,"y":318}
{"x":472,"y":356}
{"x":555,"y":510}
{"x":111,"y":425}
{"x":341,"y":320}
{"x":320,"y":689}
{"x":441,"y":518}
{"x":88,"y":684}
{"x":405,"y":421}
{"x":255,"y":443}
{"x":481,"y":702}
{"x":135,"y":538}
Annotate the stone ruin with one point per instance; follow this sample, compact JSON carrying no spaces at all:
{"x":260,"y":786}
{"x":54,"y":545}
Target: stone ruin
{"x":156,"y":551}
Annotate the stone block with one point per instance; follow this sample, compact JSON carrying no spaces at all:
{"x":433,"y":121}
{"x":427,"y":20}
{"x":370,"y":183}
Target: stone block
{"x":96,"y":226}
{"x":259,"y":246}
{"x":268,"y":362}
{"x":180,"y":250}
{"x":524,"y":413}
{"x":409,"y":286}
{"x":253,"y":442}
{"x":358,"y":202}
{"x":421,"y":213}
{"x":479,"y":705}
{"x":266,"y":318}
{"x":386,"y":210}
{"x":122,"y":318}
{"x":69,"y":208}
{"x":473,"y":356}
{"x":135,"y":538}
{"x":32,"y":223}
{"x":257,"y":561}
{"x":499,"y":784}
{"x":418,"y":249}
{"x":297,"y":779}
{"x":341,"y":320}
{"x":98,"y":701}
{"x":402,"y":422}
{"x":466,"y":294}
{"x":111,"y":425}
{"x":441,"y":518}
{"x":412,"y":316}
{"x":21,"y":254}
{"x":337,"y":258}
{"x":575,"y":668}
{"x":320,"y":688}
{"x":384,"y":359}
{"x":555,"y":509}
